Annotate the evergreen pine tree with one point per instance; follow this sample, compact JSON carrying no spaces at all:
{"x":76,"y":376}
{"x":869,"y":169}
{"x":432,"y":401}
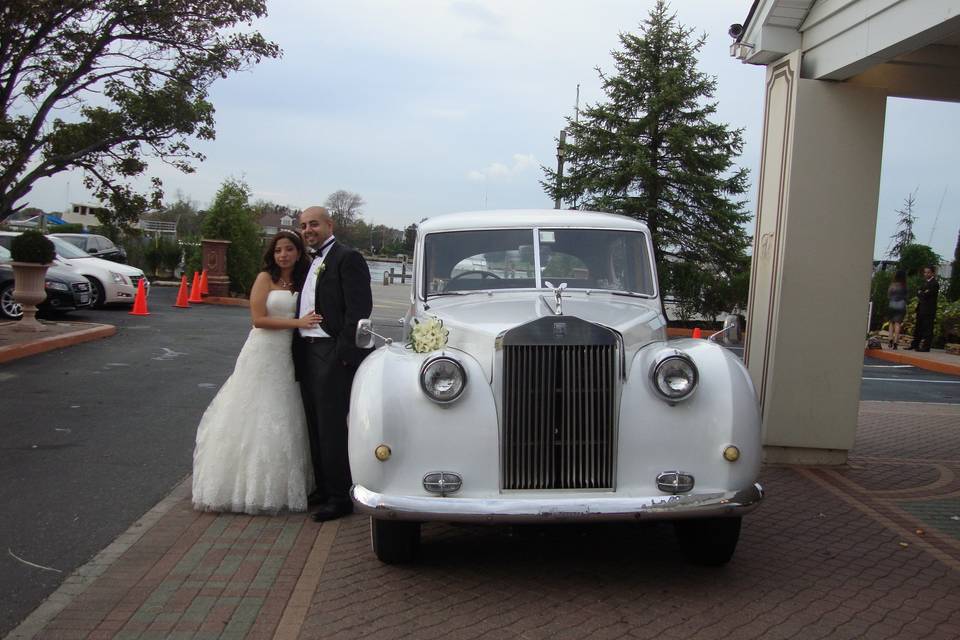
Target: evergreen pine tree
{"x":904,"y":235}
{"x":651,"y":152}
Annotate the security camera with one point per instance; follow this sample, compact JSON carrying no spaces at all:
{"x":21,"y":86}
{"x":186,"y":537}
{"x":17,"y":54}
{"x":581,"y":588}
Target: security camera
{"x":735,"y":30}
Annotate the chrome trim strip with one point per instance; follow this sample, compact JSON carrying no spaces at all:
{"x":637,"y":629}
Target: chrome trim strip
{"x":588,"y":508}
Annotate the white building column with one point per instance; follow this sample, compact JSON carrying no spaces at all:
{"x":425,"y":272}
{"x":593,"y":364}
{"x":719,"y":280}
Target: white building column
{"x":813,"y":247}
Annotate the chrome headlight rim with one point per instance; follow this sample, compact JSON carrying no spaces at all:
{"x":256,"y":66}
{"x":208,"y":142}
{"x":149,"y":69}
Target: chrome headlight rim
{"x":665,"y":358}
{"x":442,"y":358}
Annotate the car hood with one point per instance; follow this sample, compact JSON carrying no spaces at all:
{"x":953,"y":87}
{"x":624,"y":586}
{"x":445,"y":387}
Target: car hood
{"x":65,"y":274}
{"x":62,"y":274}
{"x":475,"y":321}
{"x":82,"y":264}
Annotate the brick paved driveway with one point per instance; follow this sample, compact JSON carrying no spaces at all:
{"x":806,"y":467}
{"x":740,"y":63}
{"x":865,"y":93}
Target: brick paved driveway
{"x":869,"y":550}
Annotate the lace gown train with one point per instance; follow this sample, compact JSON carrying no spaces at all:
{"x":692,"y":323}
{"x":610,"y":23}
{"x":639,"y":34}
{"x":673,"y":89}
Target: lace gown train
{"x":252,"y":453}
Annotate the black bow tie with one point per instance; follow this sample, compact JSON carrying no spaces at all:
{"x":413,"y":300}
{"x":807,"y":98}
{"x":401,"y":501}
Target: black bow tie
{"x":317,"y":252}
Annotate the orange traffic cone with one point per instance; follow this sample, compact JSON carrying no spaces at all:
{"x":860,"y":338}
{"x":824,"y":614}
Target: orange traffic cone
{"x":182,"y":294}
{"x":140,"y":301}
{"x":697,"y":333}
{"x":204,"y":289}
{"x":195,"y":289}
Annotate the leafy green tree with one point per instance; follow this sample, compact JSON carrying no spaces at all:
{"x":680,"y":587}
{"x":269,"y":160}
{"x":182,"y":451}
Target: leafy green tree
{"x":904,"y":235}
{"x":105,"y":85}
{"x":231,"y":218}
{"x":879,"y":285}
{"x":409,"y":239}
{"x":652,"y":152}
{"x":953,"y":290}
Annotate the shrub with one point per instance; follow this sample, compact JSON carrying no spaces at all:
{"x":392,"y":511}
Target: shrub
{"x":32,"y":246}
{"x":231,"y":218}
{"x":878,"y":295}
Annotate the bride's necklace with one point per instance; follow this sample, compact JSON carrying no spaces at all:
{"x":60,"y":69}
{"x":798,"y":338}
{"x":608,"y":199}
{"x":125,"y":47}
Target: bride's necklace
{"x":284,"y":284}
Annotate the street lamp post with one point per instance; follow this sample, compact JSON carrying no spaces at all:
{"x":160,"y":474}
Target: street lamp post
{"x":561,"y":154}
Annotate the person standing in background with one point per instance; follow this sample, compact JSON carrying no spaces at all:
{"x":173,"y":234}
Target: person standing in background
{"x":926,"y":310}
{"x":897,"y":306}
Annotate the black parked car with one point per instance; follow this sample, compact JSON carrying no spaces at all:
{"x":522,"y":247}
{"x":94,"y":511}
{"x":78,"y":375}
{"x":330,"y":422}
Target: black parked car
{"x":99,"y":246}
{"x":66,"y":290}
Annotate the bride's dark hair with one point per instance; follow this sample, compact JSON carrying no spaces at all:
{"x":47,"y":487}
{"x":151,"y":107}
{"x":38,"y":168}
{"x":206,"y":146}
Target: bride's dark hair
{"x":299,"y":269}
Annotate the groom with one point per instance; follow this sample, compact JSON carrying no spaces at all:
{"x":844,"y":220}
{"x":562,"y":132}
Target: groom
{"x":326,"y":358}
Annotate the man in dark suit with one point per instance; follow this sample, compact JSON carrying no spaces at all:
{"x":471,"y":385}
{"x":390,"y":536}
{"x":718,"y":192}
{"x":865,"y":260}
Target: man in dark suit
{"x":926,"y":311}
{"x":337,"y":286}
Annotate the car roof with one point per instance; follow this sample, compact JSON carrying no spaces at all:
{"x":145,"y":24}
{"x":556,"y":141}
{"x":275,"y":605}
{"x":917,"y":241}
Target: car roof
{"x":523,"y":218}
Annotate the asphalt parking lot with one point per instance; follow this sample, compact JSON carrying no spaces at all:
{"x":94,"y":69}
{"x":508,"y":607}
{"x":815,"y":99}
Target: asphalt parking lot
{"x":95,"y":435}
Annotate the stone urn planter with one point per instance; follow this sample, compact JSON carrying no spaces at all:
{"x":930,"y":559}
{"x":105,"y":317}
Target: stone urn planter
{"x":32,"y":253}
{"x":29,"y":292}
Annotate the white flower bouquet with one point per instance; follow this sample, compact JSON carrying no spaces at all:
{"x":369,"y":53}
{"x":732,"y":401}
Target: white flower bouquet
{"x":428,"y":335}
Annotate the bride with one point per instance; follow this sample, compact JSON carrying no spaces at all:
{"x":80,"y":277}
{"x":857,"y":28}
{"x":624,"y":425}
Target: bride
{"x":252,"y":451}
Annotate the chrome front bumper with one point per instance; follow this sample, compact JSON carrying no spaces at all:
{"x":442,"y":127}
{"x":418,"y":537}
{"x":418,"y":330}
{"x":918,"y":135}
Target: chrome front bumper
{"x":591,"y":507}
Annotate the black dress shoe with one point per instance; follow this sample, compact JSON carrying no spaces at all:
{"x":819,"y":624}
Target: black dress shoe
{"x":332,"y":511}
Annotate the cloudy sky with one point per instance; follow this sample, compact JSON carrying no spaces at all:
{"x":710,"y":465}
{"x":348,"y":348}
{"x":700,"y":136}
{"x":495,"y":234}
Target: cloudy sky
{"x":431,"y":106}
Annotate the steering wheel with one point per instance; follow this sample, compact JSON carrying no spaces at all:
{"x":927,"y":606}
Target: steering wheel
{"x":484,"y":275}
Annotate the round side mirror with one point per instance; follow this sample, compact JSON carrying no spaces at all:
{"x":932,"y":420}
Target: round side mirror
{"x":365,"y":337}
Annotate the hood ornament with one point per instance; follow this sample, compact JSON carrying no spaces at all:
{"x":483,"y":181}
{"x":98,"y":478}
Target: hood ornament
{"x":558,"y":292}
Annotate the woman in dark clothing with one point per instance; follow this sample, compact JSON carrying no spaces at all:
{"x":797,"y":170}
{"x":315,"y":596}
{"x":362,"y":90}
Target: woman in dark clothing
{"x":896,"y":306}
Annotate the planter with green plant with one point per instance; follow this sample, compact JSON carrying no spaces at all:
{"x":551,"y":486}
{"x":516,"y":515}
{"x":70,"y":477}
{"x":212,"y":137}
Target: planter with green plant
{"x":32,"y":253}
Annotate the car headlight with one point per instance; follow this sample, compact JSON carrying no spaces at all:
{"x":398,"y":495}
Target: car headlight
{"x":674,"y":375}
{"x":119,"y":278}
{"x":56,"y":286}
{"x":443,"y":379}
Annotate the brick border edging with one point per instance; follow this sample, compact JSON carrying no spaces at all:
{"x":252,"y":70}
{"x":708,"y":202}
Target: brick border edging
{"x":78,"y":581}
{"x":230,"y":302}
{"x":916,"y":361}
{"x":49,"y":343}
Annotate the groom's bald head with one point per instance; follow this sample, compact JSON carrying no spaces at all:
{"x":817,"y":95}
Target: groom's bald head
{"x":316,"y":225}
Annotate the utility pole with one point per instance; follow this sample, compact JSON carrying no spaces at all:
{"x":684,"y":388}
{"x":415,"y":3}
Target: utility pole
{"x":561,"y":154}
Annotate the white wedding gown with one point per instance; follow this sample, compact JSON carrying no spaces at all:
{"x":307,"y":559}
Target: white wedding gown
{"x":252,"y":453}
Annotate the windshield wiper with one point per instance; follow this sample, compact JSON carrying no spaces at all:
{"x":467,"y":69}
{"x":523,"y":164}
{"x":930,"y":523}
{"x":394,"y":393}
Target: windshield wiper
{"x":628,"y":294}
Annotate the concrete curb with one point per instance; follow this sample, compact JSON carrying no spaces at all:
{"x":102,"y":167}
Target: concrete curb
{"x":229,"y":302}
{"x":49,"y":343}
{"x":916,"y":361}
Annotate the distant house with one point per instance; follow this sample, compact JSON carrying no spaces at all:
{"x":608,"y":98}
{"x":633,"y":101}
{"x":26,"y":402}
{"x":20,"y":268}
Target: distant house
{"x":273,"y":219}
{"x":85,"y":214}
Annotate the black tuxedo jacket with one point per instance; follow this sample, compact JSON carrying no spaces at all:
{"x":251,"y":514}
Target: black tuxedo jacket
{"x":343,"y":298}
{"x":927,"y":297}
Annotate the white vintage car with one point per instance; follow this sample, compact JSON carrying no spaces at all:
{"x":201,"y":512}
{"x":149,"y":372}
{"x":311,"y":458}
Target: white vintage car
{"x":556,"y":397}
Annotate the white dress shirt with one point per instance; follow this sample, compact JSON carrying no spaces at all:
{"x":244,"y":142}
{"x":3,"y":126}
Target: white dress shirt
{"x":308,"y":294}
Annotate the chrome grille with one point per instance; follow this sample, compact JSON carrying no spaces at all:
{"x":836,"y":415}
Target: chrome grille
{"x":81,"y":287}
{"x":135,"y":280}
{"x":558,"y":416}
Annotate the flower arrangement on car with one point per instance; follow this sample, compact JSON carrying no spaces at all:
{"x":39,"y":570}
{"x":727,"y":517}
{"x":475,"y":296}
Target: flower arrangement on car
{"x":428,"y":335}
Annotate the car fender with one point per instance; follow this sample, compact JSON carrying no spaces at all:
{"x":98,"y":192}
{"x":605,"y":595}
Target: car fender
{"x":387,"y":406}
{"x":655,"y":435}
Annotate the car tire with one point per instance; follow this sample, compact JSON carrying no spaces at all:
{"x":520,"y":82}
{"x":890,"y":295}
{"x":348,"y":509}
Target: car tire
{"x":9,"y":308}
{"x":708,"y":541}
{"x":394,"y":542}
{"x":97,"y":294}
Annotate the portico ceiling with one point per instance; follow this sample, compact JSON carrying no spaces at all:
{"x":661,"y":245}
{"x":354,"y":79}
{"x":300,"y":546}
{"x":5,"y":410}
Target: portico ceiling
{"x":873,"y":42}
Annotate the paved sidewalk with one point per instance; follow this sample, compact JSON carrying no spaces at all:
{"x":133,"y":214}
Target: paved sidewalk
{"x":867,"y":550}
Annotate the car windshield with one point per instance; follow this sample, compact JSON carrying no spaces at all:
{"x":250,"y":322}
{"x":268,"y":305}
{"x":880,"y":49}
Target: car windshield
{"x":78,"y":242}
{"x":595,"y":259}
{"x":67,"y":250}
